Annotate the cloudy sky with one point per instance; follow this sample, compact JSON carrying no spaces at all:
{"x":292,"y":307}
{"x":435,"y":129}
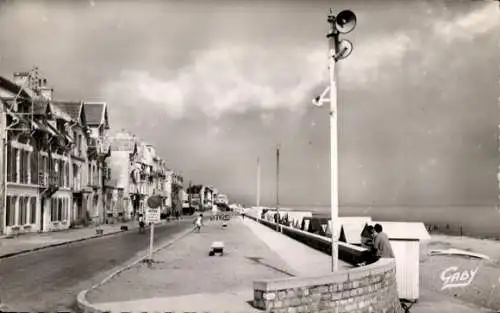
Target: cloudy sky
{"x":215,"y":84}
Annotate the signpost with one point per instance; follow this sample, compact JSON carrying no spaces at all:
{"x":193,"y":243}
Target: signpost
{"x":153,"y":216}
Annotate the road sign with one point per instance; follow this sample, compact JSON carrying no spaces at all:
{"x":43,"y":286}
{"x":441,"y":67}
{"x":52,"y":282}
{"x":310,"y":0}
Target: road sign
{"x":153,"y":215}
{"x":154,"y":201}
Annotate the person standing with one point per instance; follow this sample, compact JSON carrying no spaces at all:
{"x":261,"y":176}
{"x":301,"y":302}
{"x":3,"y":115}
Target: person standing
{"x":198,"y":223}
{"x":141,"y":224}
{"x":381,"y":243}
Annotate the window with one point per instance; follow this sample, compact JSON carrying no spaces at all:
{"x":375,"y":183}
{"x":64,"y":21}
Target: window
{"x":65,"y":209}
{"x":56,"y":170}
{"x":75,"y":140}
{"x":66,"y":174}
{"x":89,"y":177}
{"x":34,"y":167}
{"x":59,"y":209}
{"x":22,"y":167}
{"x":33,"y":210}
{"x":24,"y":160}
{"x":23,"y":211}
{"x":62,"y":166}
{"x":80,"y":148}
{"x":42,"y":170}
{"x":11,"y":210}
{"x":12,"y":164}
{"x":53,"y":209}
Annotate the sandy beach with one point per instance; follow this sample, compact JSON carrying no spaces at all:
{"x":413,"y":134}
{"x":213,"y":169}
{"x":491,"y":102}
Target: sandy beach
{"x":470,"y":279}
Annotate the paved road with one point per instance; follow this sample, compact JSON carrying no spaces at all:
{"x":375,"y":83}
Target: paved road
{"x":49,"y":280}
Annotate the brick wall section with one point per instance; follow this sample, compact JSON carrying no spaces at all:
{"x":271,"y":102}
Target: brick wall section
{"x":367,"y":289}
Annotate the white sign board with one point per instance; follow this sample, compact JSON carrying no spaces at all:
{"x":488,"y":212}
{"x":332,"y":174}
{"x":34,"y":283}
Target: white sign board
{"x":153,"y":215}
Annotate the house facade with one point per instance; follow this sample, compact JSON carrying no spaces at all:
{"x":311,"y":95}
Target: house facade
{"x":98,"y":152}
{"x":177,"y":192}
{"x":137,"y":173}
{"x":123,"y":146}
{"x":78,"y":161}
{"x":36,"y":190}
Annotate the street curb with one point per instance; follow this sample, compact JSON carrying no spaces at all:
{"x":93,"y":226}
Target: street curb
{"x":8,"y":255}
{"x":86,"y":307}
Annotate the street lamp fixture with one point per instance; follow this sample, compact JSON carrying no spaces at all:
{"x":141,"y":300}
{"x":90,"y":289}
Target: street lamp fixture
{"x":343,"y":23}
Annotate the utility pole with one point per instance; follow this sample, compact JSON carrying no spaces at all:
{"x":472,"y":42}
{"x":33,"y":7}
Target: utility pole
{"x":3,"y":166}
{"x":258,"y":183}
{"x":278,"y":184}
{"x":344,"y":22}
{"x":189,"y":195}
{"x":334,"y":165}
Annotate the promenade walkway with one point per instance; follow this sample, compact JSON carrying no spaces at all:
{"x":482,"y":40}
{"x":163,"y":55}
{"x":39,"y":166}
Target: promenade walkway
{"x":185,"y":278}
{"x":34,"y":241}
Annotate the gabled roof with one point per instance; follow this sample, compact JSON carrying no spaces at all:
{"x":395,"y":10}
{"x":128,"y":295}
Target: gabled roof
{"x":97,"y":114}
{"x":351,"y":226}
{"x":351,"y":232}
{"x":404,"y":230}
{"x":60,"y":113}
{"x":74,"y":109}
{"x":14,"y":88}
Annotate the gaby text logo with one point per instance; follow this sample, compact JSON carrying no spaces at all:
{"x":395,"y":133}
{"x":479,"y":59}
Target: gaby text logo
{"x":452,"y":277}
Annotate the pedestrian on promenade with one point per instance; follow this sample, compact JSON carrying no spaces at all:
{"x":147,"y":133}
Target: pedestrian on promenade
{"x":141,"y":224}
{"x":198,"y":223}
{"x":381,"y":243}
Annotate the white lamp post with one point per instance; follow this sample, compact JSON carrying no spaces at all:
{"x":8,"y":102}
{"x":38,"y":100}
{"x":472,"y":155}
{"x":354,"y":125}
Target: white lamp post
{"x":343,"y":23}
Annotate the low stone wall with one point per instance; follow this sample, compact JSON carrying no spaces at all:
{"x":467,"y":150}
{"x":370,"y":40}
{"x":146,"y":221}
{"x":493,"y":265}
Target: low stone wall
{"x":366,"y":289}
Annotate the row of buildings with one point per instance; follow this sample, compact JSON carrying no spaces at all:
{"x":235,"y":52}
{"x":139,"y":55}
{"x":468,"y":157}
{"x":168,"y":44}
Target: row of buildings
{"x":60,"y":167}
{"x":204,"y":198}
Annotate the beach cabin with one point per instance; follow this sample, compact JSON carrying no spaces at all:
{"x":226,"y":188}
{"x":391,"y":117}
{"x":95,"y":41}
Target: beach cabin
{"x":350,"y":228}
{"x":315,"y":225}
{"x":296,"y":217}
{"x":405,"y":238}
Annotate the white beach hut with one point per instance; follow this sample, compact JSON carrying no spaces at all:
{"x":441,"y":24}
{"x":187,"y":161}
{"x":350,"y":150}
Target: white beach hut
{"x":350,"y":228}
{"x":405,"y":238}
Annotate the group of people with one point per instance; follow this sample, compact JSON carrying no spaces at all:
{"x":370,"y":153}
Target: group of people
{"x":377,"y":242}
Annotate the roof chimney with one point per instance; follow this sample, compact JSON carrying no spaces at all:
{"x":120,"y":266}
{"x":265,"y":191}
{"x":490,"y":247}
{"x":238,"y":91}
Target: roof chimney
{"x":47,"y":92}
{"x":21,"y":78}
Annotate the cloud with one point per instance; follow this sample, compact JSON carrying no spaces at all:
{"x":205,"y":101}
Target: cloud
{"x":234,"y":79}
{"x":227,"y":80}
{"x":368,"y":61}
{"x":477,"y":22}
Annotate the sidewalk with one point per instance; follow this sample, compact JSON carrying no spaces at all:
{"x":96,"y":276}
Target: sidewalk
{"x":185,"y":278}
{"x":36,"y":241}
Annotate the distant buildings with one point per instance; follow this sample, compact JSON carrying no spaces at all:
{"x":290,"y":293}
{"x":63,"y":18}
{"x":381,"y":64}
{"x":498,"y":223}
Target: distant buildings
{"x":205,"y":198}
{"x":139,"y":173}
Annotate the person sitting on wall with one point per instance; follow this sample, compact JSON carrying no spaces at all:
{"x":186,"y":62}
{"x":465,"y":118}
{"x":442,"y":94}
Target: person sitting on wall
{"x":382,"y":244}
{"x":367,"y":241}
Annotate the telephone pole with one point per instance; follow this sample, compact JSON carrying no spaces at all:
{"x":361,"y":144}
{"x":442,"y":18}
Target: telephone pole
{"x":278,"y":184}
{"x":258,"y":182}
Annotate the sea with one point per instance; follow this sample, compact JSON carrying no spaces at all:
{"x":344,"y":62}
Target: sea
{"x":472,"y":221}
